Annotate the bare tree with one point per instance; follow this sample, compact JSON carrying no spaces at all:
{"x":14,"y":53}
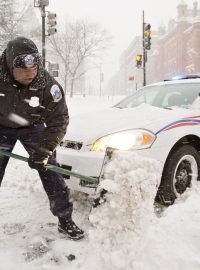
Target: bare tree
{"x":11,"y":14}
{"x":27,"y":27}
{"x":76,"y":46}
{"x":18,"y":20}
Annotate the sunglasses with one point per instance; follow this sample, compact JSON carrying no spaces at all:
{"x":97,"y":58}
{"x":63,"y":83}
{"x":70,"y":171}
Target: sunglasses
{"x":27,"y":60}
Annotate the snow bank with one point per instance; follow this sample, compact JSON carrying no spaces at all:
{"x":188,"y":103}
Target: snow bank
{"x":128,"y":207}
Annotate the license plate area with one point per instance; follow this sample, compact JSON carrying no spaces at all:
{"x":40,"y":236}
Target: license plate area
{"x":85,"y":183}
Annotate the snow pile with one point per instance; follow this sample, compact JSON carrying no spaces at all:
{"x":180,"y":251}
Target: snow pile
{"x":173,"y":240}
{"x":128,"y":207}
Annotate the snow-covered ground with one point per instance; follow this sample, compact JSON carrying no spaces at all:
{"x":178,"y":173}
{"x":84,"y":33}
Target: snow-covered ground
{"x":126,"y":232}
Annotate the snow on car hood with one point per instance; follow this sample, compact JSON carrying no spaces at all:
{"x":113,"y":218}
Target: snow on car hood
{"x":90,"y":126}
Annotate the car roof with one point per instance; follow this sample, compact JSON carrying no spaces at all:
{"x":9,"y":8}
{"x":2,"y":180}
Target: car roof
{"x":179,"y":81}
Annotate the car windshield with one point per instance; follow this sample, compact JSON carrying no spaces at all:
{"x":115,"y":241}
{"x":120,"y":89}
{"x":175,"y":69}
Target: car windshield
{"x":163,"y":96}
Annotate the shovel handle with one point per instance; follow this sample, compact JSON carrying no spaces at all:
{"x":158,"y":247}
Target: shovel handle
{"x":52,"y":168}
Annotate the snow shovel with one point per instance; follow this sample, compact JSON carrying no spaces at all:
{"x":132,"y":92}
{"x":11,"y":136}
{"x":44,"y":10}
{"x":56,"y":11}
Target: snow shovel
{"x":99,"y":196}
{"x":53,"y":168}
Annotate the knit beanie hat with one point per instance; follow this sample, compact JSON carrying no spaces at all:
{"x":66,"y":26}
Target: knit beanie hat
{"x":25,"y":49}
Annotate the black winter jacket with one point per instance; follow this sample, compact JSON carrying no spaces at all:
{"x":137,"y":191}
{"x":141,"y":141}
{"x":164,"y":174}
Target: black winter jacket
{"x":43,"y":99}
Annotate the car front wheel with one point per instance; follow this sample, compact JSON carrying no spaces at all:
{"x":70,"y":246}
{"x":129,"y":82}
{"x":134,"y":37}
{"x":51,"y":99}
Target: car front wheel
{"x":180,"y":172}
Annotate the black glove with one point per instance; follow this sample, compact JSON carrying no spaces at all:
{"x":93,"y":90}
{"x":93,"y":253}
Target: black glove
{"x":38,"y":160}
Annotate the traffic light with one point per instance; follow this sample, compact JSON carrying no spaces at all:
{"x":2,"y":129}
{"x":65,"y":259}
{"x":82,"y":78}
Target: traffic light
{"x":147,"y":36}
{"x":51,"y":23}
{"x":138,"y":60}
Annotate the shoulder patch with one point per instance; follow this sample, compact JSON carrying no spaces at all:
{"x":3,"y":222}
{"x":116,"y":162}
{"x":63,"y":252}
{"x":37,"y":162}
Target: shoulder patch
{"x":56,"y":93}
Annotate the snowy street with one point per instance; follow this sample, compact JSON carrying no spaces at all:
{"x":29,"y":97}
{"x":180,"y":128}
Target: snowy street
{"x":124,"y":233}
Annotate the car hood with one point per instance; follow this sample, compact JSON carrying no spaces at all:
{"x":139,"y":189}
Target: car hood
{"x":90,"y":126}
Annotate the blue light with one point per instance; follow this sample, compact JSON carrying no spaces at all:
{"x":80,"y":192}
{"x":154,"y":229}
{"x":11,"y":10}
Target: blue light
{"x":178,"y":77}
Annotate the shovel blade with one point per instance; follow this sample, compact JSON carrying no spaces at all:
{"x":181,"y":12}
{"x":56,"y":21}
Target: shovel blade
{"x":100,"y":193}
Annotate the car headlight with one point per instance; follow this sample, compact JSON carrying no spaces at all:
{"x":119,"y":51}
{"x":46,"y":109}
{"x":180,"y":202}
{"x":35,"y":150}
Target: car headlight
{"x":125,"y":140}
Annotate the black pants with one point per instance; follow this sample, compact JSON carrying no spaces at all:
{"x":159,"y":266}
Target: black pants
{"x":53,"y":182}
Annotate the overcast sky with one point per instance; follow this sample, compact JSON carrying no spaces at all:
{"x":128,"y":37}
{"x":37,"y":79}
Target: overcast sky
{"x":122,"y":18}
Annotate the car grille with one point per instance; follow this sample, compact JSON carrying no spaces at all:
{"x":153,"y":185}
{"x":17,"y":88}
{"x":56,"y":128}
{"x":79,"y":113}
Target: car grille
{"x":71,"y":144}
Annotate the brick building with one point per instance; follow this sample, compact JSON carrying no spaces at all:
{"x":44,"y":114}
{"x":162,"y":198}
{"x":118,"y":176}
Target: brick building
{"x":174,"y":51}
{"x":179,"y":47}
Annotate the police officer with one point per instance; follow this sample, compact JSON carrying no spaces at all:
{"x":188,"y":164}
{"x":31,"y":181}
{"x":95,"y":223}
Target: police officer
{"x":33,"y":110}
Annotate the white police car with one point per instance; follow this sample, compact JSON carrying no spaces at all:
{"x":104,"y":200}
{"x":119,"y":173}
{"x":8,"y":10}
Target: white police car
{"x":161,"y":121}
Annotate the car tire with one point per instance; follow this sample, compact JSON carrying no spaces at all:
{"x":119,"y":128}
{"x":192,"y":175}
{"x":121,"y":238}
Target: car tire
{"x":181,"y":170}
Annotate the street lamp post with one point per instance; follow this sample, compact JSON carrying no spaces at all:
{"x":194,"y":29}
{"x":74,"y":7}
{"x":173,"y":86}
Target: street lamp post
{"x":144,"y":52}
{"x":43,"y":15}
{"x":42,"y":4}
{"x":101,"y":80}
